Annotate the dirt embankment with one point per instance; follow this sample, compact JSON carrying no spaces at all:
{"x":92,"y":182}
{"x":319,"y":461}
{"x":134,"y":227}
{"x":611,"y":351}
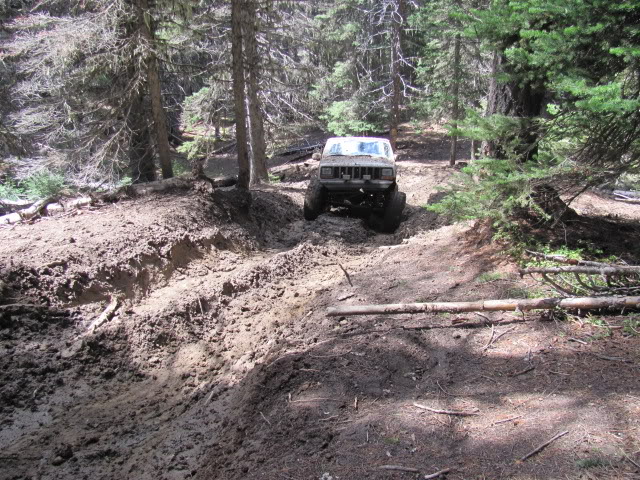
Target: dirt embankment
{"x":218,"y":361}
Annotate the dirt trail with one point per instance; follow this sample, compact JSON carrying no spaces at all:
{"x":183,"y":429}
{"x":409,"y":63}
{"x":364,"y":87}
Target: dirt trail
{"x":220,"y":361}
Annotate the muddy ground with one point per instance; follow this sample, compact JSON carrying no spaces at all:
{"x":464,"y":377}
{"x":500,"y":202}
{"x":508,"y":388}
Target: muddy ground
{"x":218,"y":360}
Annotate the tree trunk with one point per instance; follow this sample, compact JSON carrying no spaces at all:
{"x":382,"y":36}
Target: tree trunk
{"x":259,"y":172}
{"x":455,"y":110}
{"x":155,"y":90}
{"x":517,"y":99}
{"x":239,"y":93}
{"x":396,"y":27}
{"x":141,"y":162}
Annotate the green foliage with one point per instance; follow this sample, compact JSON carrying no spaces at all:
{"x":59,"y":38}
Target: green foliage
{"x":273,"y":178}
{"x":43,"y":184}
{"x":10,"y":190}
{"x":343,"y":118}
{"x":524,"y":293}
{"x":437,"y":23}
{"x":495,"y":189}
{"x":605,"y":329}
{"x":591,"y":462}
{"x":125,"y":181}
{"x":582,"y":57}
{"x":354,"y":49}
{"x":487,"y":277}
{"x":631,"y":326}
{"x":180,"y":168}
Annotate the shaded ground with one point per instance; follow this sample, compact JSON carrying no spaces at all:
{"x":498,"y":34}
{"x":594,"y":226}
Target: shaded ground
{"x":221,"y":363}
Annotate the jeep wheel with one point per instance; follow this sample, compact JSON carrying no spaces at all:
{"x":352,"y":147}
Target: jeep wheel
{"x":315,"y":200}
{"x":393,"y":211}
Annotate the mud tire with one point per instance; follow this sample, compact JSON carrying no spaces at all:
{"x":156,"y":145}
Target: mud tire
{"x":392,"y":215}
{"x":315,"y":200}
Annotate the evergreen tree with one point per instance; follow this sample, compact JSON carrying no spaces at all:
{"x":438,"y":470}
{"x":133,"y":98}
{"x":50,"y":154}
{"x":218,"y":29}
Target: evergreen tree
{"x":564,"y":107}
{"x":86,"y":83}
{"x":365,"y":68}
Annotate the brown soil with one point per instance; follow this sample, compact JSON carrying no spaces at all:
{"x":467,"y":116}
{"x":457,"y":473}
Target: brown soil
{"x":221,"y":363}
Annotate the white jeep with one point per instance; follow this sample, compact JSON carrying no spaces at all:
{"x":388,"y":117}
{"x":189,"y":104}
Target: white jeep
{"x":358,"y":173}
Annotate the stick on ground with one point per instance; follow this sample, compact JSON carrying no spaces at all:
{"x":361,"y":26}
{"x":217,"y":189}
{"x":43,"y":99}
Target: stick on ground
{"x":346,"y":274}
{"x":544,"y":445}
{"x":399,"y":468}
{"x":445,"y":412}
{"x":437,"y":474}
{"x":511,"y":419}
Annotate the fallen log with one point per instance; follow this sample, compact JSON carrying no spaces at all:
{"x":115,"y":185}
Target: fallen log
{"x":627,"y":194}
{"x":568,"y":261}
{"x":49,"y":205}
{"x":141,"y":189}
{"x":299,"y":149}
{"x":634,"y":201}
{"x":508,"y":305}
{"x":9,"y":205}
{"x":588,"y":270}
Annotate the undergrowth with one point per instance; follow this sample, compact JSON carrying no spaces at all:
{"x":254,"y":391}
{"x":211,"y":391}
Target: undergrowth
{"x":42,"y":184}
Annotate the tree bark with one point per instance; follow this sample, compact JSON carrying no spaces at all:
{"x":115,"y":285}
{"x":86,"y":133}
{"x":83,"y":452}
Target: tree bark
{"x":517,"y":99}
{"x":259,"y":172}
{"x":396,"y":27}
{"x":582,"y":303}
{"x":239,"y":93}
{"x":141,"y":163}
{"x":155,"y":90}
{"x":455,"y":110}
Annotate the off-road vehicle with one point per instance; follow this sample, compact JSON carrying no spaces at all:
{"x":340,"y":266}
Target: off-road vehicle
{"x":358,"y":173}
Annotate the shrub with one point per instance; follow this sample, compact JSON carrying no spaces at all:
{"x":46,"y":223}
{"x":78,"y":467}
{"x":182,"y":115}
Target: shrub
{"x":9,"y":190}
{"x":44,"y":184}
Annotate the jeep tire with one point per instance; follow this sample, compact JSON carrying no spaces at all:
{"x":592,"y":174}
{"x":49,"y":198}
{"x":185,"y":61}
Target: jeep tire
{"x":393,"y":211}
{"x":315,"y":200}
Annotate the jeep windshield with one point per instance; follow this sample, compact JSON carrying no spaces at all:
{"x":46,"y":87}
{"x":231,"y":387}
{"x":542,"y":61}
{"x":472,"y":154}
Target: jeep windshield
{"x":357,"y":147}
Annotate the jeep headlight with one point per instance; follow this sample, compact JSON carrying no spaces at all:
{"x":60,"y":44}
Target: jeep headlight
{"x":326,"y":172}
{"x":387,"y":174}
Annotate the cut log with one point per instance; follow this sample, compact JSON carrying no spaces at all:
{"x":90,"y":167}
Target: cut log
{"x":508,"y":305}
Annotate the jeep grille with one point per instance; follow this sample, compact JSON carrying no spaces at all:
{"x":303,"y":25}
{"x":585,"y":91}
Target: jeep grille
{"x":356,"y":173}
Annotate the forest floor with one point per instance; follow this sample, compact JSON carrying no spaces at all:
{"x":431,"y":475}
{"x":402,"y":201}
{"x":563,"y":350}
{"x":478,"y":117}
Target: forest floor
{"x":185,"y":335}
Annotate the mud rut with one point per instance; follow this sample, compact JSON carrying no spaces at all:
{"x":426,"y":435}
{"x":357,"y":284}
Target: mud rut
{"x":150,"y":391}
{"x":220,"y":362}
